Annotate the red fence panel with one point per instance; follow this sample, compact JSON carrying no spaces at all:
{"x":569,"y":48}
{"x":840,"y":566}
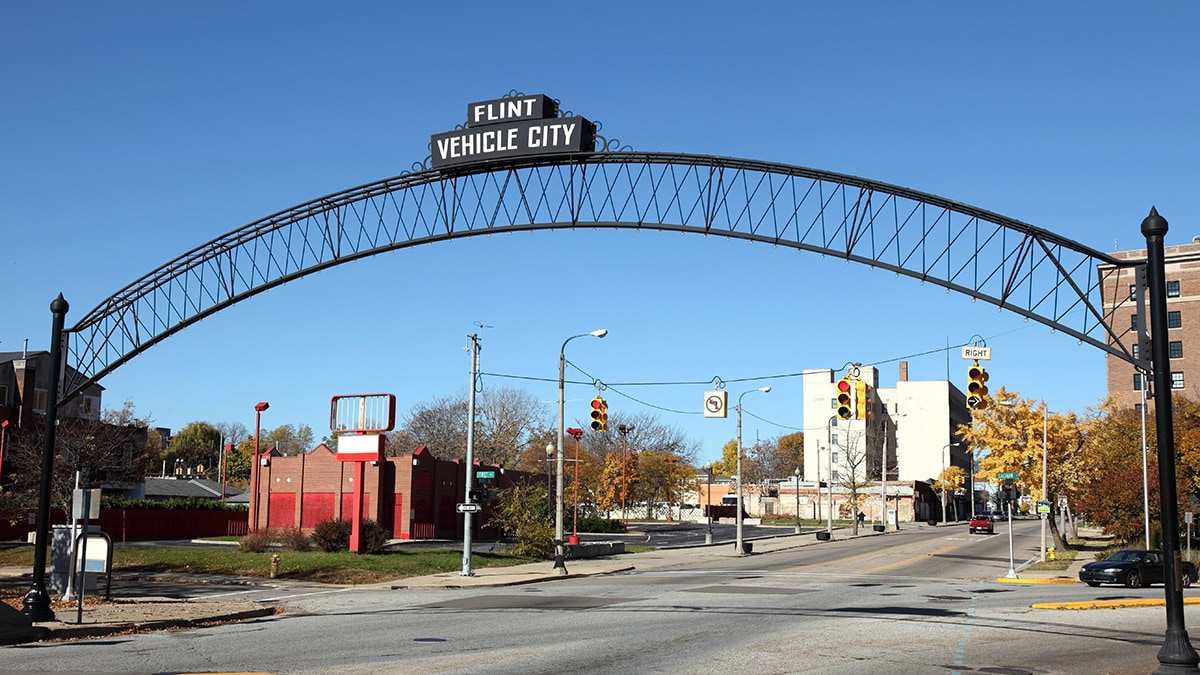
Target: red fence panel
{"x":151,"y":524}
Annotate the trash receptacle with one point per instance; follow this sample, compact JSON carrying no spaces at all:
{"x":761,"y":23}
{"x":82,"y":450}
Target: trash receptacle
{"x":747,"y":547}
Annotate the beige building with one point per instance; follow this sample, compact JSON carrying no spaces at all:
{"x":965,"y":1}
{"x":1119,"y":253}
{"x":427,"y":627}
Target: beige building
{"x":1118,"y":286}
{"x":912,"y":425}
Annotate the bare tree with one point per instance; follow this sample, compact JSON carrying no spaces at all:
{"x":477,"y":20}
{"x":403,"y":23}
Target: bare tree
{"x":854,"y":452}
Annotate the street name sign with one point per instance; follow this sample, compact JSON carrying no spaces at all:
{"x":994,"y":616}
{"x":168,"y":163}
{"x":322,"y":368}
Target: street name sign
{"x":1011,"y":475}
{"x":485,"y":474}
{"x":467,"y":508}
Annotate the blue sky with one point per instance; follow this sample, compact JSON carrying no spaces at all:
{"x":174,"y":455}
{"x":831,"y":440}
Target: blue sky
{"x":135,"y":131}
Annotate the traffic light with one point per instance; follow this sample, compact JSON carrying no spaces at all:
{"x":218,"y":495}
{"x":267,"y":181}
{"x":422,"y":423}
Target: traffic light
{"x":599,"y":414}
{"x":862,"y":399}
{"x":845,"y":398}
{"x":977,"y":389}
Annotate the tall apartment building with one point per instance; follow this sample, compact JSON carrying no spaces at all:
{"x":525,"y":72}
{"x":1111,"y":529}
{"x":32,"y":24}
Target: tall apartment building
{"x":912,"y":423}
{"x":1118,"y":288}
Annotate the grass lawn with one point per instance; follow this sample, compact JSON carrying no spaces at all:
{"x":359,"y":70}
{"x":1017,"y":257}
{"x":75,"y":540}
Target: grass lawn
{"x":336,"y":568}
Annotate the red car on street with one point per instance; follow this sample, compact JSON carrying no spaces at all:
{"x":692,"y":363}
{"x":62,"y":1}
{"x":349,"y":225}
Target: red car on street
{"x":983,"y":522}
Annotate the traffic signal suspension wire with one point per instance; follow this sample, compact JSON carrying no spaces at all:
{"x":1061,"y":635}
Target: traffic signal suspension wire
{"x":615,"y":387}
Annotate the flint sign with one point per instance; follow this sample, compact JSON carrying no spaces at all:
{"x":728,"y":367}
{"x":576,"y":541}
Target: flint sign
{"x":517,"y":126}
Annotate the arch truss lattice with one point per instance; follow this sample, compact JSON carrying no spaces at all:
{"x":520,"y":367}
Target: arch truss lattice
{"x":1008,"y":263}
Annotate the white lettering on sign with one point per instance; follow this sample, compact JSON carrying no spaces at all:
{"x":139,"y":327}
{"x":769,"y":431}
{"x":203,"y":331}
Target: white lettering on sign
{"x":478,"y":143}
{"x":513,"y":139}
{"x":977,"y":353}
{"x":495,"y":111}
{"x":547,"y":135}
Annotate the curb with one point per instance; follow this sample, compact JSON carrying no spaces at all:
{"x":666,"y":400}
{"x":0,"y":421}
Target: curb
{"x":73,"y":631}
{"x":1055,"y":580}
{"x":1111,"y":604}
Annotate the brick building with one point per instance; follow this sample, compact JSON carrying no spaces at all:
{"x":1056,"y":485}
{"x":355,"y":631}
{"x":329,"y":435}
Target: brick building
{"x":413,"y":496}
{"x":1183,"y":321}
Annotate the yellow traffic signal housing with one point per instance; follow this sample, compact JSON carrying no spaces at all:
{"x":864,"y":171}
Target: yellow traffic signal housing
{"x":862,"y":399}
{"x":845,"y":398}
{"x":599,"y":414}
{"x":977,"y":389}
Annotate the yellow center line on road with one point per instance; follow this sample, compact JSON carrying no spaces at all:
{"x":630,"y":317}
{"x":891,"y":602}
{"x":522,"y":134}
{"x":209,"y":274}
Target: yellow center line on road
{"x":840,"y":561}
{"x":906,"y":562}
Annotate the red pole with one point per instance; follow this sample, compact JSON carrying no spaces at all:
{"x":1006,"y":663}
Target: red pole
{"x":3,"y":433}
{"x":356,"y":519}
{"x":254,"y":472}
{"x":254,"y":475}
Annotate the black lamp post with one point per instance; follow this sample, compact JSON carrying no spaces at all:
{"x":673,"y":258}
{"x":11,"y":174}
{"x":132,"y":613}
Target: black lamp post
{"x":36,"y":604}
{"x":1177,"y":654}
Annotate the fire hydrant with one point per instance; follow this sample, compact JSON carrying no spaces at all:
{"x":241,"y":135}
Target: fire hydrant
{"x":274,"y":565}
{"x":1050,"y":553}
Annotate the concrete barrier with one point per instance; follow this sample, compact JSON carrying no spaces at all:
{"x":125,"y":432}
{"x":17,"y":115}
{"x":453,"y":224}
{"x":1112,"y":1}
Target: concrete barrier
{"x":594,"y":550}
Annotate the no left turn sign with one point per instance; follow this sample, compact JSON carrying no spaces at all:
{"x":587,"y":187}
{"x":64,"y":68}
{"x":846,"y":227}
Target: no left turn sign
{"x":714,"y":403}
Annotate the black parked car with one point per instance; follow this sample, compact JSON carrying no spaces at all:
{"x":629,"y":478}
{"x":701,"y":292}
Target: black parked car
{"x":1133,"y":568}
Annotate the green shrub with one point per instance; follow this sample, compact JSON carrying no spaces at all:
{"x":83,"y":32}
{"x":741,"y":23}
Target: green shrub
{"x":293,"y":539}
{"x":522,"y":514}
{"x":602,"y":525}
{"x":332,"y":535}
{"x":374,"y":537}
{"x":175,"y":503}
{"x":255,"y":542}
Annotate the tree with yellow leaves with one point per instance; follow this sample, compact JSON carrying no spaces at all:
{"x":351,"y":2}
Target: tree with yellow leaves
{"x":949,"y":483}
{"x":1011,"y":436}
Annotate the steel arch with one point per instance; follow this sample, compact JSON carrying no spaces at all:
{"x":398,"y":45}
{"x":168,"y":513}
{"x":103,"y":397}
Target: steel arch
{"x":1011,"y":264}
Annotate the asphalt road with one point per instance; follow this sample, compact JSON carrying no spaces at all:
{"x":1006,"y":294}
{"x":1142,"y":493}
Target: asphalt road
{"x":916,"y":601}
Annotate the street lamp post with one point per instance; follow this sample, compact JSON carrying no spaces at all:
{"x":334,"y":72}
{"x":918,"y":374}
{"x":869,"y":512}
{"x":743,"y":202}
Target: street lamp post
{"x":796,"y":475}
{"x":740,"y":546}
{"x":708,"y":536}
{"x":254,"y":498}
{"x":829,"y":482}
{"x":1044,"y":516}
{"x":624,"y":430}
{"x":945,"y":464}
{"x":559,"y":563}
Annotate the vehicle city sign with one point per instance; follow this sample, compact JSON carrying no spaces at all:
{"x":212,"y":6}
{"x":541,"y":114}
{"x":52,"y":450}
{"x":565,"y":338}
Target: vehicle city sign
{"x":514,"y":126}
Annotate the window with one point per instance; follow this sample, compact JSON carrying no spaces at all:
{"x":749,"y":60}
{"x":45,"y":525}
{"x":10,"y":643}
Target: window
{"x":1133,"y":322}
{"x":833,"y":457}
{"x":3,"y":394}
{"x":39,"y":400}
{"x":833,"y":439}
{"x":1175,"y":348}
{"x":1136,"y":352}
{"x":1174,"y":320}
{"x":1137,"y":381}
{"x":833,"y":405}
{"x":1172,"y":289}
{"x":1177,"y":380}
{"x":836,"y":476}
{"x":1133,"y":291}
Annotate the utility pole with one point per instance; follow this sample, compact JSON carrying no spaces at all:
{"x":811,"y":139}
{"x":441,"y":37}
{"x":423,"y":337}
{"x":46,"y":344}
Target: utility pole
{"x":468,"y":482}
